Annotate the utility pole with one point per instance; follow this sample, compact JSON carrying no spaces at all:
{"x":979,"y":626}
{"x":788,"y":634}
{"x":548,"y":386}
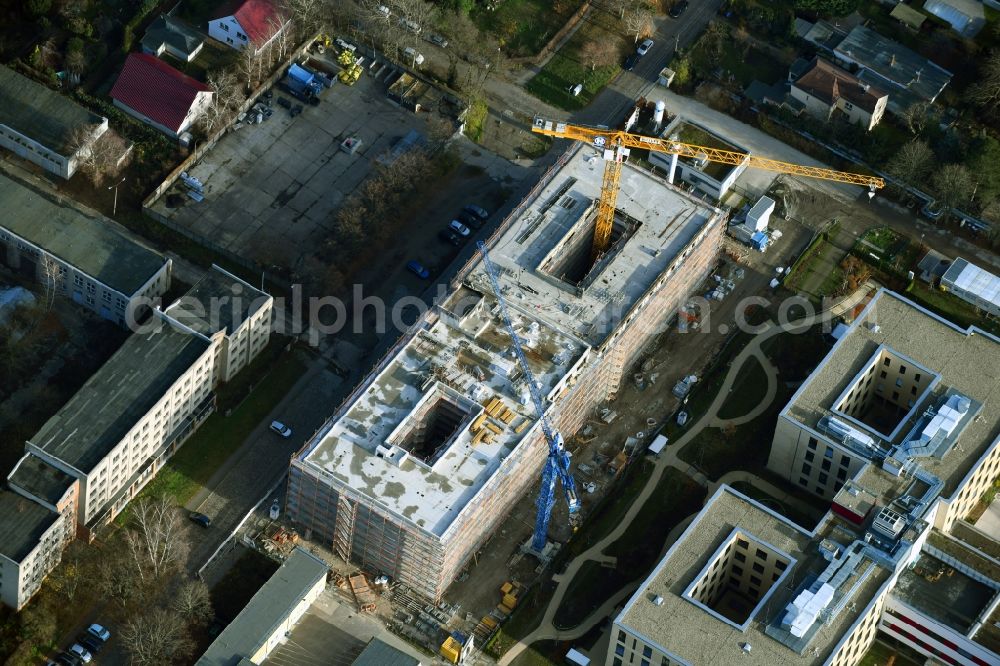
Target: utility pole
{"x":114,"y":206}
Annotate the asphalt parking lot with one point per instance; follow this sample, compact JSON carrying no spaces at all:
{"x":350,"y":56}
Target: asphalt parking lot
{"x":271,"y":189}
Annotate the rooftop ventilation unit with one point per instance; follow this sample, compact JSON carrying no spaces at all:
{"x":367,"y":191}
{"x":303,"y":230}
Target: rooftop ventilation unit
{"x":802,"y":612}
{"x":940,"y":427}
{"x":846,"y":434}
{"x":889,"y":523}
{"x":658,"y":600}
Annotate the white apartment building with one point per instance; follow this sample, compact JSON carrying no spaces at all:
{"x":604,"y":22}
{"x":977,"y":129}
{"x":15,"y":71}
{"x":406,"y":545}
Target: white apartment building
{"x":85,"y":464}
{"x":79,"y":256}
{"x":902,"y":398}
{"x":37,"y":124}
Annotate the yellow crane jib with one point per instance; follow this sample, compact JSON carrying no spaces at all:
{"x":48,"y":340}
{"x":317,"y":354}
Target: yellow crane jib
{"x":614,"y":146}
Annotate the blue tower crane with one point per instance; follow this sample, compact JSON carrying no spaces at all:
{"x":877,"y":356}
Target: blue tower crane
{"x":557,"y":463}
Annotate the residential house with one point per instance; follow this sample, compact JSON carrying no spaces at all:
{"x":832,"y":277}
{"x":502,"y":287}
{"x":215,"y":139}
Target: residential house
{"x":966,"y":17}
{"x":824,"y":88}
{"x":174,"y":37}
{"x":159,"y":95}
{"x":243,"y":23}
{"x":906,"y":76}
{"x":40,"y":125}
{"x":80,"y":256}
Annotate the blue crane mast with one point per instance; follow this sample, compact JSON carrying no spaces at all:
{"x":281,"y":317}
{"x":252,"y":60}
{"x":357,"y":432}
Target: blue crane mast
{"x":558,"y":461}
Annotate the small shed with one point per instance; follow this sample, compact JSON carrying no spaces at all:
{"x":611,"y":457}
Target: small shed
{"x":577,"y":658}
{"x":658,"y":444}
{"x":759,"y":241}
{"x":760,"y":214}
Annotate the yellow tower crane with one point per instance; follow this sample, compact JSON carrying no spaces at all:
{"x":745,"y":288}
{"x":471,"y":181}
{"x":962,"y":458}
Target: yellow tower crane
{"x":616,"y":144}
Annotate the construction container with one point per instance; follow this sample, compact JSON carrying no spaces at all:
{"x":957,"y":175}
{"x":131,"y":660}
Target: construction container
{"x":451,"y":650}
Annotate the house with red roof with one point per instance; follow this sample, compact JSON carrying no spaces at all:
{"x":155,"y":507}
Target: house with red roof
{"x":824,"y":88}
{"x":243,"y":23}
{"x":159,"y":95}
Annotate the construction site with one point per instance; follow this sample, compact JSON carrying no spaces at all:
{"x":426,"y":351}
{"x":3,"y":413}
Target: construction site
{"x":423,"y":461}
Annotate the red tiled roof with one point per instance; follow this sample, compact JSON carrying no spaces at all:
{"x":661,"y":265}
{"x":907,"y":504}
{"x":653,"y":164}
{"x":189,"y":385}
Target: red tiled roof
{"x":156,"y":90}
{"x":259,"y":19}
{"x":829,"y":83}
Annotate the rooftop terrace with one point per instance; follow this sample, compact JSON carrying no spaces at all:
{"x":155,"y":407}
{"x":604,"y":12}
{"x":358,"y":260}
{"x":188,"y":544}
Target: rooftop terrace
{"x":659,"y":611}
{"x":545,"y":252}
{"x":427,"y":431}
{"x":966,"y":361}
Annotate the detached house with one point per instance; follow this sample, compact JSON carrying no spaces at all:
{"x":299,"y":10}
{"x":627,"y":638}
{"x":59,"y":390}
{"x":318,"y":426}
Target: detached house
{"x":174,"y":37}
{"x":823,"y":88}
{"x":159,"y":95}
{"x":243,"y":23}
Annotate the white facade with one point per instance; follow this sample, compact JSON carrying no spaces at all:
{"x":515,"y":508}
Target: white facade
{"x":69,"y":281}
{"x":202,"y":101}
{"x":48,"y":158}
{"x":229,"y":31}
{"x":20,"y":580}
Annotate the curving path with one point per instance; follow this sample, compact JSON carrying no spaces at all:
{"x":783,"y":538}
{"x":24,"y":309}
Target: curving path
{"x":669,"y":458}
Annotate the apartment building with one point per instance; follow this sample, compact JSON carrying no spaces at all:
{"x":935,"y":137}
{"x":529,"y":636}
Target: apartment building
{"x":32,"y":537}
{"x":424,"y":460}
{"x":78,"y":255}
{"x":112,"y":437}
{"x":38,"y":124}
{"x":893,"y":556}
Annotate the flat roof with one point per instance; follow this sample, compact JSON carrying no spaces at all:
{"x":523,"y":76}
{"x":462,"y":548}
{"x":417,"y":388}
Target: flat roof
{"x":687,"y":631}
{"x":911,"y":73}
{"x":89,"y":242}
{"x":114,"y":399}
{"x":267,"y":609}
{"x":689,"y":132}
{"x":943,"y":593}
{"x":380,"y":653}
{"x":24,"y":522}
{"x":669,"y":220}
{"x":975,"y":280}
{"x":463,"y":363}
{"x":967,"y":361}
{"x":219,"y":301}
{"x":35,"y":476}
{"x":44,"y":115}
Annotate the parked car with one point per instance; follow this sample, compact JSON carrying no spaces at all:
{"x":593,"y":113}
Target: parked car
{"x":678,"y":8}
{"x":459,"y":228}
{"x":437,"y":40}
{"x":477,"y":211}
{"x":281,"y":429}
{"x":200,"y":519}
{"x":92,"y":644}
{"x":67,"y":659}
{"x":418,"y":269}
{"x":630,"y":62}
{"x":644,"y":47}
{"x":80,"y":653}
{"x":409,"y":25}
{"x":100,"y":632}
{"x":450,"y":237}
{"x":470,"y":220}
{"x":412,"y":56}
{"x":383,"y":10}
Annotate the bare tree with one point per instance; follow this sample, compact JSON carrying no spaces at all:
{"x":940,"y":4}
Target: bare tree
{"x":51,"y":279}
{"x":917,"y":116}
{"x":953,"y":185}
{"x":101,"y":158}
{"x":912,"y":163}
{"x":228,"y":97}
{"x":156,"y":543}
{"x":193,"y":603}
{"x":638,"y":22}
{"x":157,"y":637}
{"x":599,"y":52}
{"x":306,"y":15}
{"x":114,"y":578}
{"x":985,"y":93}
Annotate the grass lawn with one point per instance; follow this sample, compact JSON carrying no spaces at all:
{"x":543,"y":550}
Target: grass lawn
{"x":882,"y":238}
{"x":220,"y":436}
{"x":638,"y":549}
{"x":750,"y":384}
{"x":568,"y":68}
{"x":806,"y":271}
{"x":743,"y":62}
{"x":949,"y":306}
{"x":525,"y":26}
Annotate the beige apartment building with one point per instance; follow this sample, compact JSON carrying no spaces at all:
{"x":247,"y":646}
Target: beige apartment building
{"x":101,"y":448}
{"x":896,"y":419}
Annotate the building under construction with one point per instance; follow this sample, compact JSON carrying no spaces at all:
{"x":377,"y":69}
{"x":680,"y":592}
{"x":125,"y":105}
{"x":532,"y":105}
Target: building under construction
{"x":425,"y":459}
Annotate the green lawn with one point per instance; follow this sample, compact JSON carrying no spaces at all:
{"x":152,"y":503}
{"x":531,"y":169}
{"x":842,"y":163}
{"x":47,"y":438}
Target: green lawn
{"x":220,"y":436}
{"x":567,"y":67}
{"x":747,"y":389}
{"x":525,"y":26}
{"x":949,"y":306}
{"x":675,"y":498}
{"x":805,"y":274}
{"x":743,"y":62}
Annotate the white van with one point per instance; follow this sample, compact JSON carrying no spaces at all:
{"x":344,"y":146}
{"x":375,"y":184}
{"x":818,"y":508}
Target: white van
{"x":413,"y":57}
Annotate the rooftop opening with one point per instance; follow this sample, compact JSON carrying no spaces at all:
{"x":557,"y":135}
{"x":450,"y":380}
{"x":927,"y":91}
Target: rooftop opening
{"x":884,"y":395}
{"x":738,"y":578}
{"x":432,"y":425}
{"x":572,"y":260}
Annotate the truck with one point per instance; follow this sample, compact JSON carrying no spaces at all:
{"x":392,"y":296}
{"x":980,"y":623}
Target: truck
{"x":302,"y":84}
